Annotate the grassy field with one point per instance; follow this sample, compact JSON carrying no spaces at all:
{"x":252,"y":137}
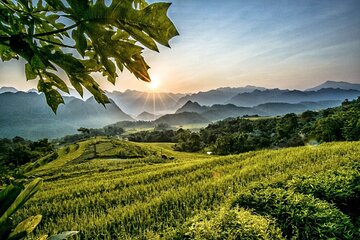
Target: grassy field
{"x":125,"y":190}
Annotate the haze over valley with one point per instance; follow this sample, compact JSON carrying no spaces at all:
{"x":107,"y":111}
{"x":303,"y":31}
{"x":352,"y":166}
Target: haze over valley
{"x":27,"y":114}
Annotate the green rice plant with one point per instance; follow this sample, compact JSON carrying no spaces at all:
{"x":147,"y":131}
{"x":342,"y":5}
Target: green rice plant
{"x":145,"y":199}
{"x":12,"y":198}
{"x":300,"y":216}
{"x":232,"y":224}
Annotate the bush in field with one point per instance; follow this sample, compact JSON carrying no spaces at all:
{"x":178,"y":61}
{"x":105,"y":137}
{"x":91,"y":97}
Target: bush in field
{"x":299,"y":216}
{"x":337,"y":186}
{"x":231,"y":224}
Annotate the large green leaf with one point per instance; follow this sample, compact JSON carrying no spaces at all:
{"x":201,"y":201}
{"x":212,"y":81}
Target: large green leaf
{"x":102,"y":34}
{"x":25,"y":227}
{"x":63,"y":235}
{"x":22,"y":198}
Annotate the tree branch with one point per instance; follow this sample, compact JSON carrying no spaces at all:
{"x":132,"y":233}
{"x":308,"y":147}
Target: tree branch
{"x":55,"y":43}
{"x":57,"y":31}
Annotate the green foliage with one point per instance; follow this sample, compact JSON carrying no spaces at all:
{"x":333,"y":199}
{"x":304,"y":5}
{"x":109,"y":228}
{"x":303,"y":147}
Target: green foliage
{"x":105,"y":36}
{"x":340,"y":124}
{"x":187,"y":141}
{"x":299,"y":216}
{"x":153,"y":136}
{"x":237,"y":135}
{"x":230,"y":224}
{"x":17,"y":152}
{"x":147,"y":199}
{"x":338,"y":186}
{"x":12,"y":198}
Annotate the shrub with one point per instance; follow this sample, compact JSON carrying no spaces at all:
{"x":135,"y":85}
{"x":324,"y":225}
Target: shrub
{"x":299,"y":216}
{"x":340,"y":186}
{"x":230,"y":224}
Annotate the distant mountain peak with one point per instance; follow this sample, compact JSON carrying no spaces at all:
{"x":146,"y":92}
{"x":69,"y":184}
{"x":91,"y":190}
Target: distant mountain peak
{"x":336,"y":85}
{"x":8,"y":89}
{"x":191,"y":106}
{"x":147,"y":116}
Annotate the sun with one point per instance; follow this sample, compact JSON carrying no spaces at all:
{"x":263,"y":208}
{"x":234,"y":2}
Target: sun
{"x":155,"y":82}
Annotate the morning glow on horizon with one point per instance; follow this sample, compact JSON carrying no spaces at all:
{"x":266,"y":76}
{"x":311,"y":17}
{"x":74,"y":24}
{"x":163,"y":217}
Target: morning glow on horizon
{"x":231,"y":43}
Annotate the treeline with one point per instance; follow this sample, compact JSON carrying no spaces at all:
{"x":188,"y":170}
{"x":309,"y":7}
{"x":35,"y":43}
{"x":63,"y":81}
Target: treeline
{"x":19,"y":151}
{"x":185,"y":139}
{"x":85,"y":133}
{"x":241,"y":135}
{"x":238,"y":135}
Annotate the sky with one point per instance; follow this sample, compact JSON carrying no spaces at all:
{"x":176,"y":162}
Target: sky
{"x":233,"y":43}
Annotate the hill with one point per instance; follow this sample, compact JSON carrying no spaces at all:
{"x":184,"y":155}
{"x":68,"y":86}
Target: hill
{"x":215,"y":96}
{"x":182,"y":119}
{"x":222,"y":111}
{"x":28,"y":115}
{"x":135,"y":102}
{"x":335,"y":84}
{"x":190,"y":106}
{"x":298,"y":193}
{"x":7,"y":89}
{"x":275,"y":109}
{"x":146,"y":116}
{"x":218,"y":112}
{"x":292,"y":96}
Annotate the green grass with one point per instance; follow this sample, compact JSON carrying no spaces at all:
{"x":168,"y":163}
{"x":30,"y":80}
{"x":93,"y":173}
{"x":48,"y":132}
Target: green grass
{"x":153,"y":198}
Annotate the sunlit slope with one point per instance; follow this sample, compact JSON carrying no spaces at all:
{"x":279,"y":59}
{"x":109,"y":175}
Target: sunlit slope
{"x":182,"y":195}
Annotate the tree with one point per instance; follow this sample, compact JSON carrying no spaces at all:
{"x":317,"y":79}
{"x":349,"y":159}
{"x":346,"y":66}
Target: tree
{"x":81,"y":37}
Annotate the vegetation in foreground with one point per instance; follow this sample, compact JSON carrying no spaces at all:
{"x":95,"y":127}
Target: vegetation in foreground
{"x":294,"y":193}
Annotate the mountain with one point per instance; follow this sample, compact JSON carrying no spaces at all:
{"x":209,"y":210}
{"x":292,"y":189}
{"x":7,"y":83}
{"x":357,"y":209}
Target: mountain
{"x":28,"y":115}
{"x":216,"y":96}
{"x":334,"y":84}
{"x":275,"y":109}
{"x":8,"y":89}
{"x":182,"y":119}
{"x":135,"y":102}
{"x":146,"y":116}
{"x":221,"y":111}
{"x":190,"y":106}
{"x":292,"y":96}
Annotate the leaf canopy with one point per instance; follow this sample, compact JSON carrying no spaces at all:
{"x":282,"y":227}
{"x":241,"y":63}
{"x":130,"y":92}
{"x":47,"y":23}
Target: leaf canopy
{"x":81,"y":37}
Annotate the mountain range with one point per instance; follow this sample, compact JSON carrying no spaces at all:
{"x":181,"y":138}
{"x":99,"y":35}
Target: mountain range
{"x":335,"y":84}
{"x":28,"y":115}
{"x":218,"y":112}
{"x":291,"y":96}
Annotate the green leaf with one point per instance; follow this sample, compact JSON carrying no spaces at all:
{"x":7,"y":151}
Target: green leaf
{"x":57,"y":82}
{"x":29,"y":73}
{"x":89,"y":83}
{"x":53,"y":97}
{"x":37,"y":63}
{"x":74,"y":82}
{"x":110,"y":69}
{"x":80,"y":40}
{"x":6,"y":54}
{"x":25,"y":227}
{"x":63,"y":235}
{"x":7,"y":197}
{"x":141,"y":37}
{"x":22,"y":198}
